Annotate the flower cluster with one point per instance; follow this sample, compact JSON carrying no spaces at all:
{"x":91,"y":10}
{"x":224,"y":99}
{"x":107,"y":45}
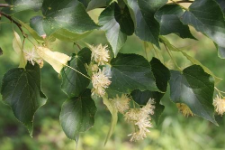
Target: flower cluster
{"x":141,"y":119}
{"x":121,"y":103}
{"x":219,"y":104}
{"x":184,"y":109}
{"x":100,"y":54}
{"x":33,"y":57}
{"x":100,"y":81}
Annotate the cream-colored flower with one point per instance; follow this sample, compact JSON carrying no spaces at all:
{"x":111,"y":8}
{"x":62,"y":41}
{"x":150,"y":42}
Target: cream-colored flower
{"x":121,"y":103}
{"x":148,"y":109}
{"x":100,"y":82}
{"x":141,"y":119}
{"x":100,"y":54}
{"x":33,"y":57}
{"x":184,"y":109}
{"x":219,"y":104}
{"x":132,"y":115}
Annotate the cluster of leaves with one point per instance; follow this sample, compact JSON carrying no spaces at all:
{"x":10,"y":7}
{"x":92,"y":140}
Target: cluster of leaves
{"x":68,"y":20}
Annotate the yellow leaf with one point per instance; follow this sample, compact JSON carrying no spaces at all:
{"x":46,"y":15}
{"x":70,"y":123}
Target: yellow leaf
{"x":56,"y":59}
{"x":18,"y":48}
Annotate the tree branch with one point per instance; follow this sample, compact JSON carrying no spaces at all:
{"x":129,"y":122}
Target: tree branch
{"x":4,"y":5}
{"x":15,"y":22}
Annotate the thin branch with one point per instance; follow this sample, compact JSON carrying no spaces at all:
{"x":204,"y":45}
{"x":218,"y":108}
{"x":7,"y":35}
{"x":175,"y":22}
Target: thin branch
{"x":78,"y":46}
{"x":5,"y":5}
{"x":184,"y":1}
{"x":15,"y":22}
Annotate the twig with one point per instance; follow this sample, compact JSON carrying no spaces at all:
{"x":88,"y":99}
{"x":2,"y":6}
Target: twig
{"x":5,"y":5}
{"x":183,"y":1}
{"x":15,"y":22}
{"x":78,"y":46}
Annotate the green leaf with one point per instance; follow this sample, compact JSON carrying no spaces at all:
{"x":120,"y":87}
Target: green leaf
{"x":146,"y":26}
{"x":194,"y":87}
{"x":122,"y":16}
{"x":21,"y":90}
{"x":77,"y":115}
{"x":112,"y":28}
{"x":84,"y":2}
{"x":67,"y":14}
{"x":65,"y":35}
{"x":114,"y":113}
{"x":97,"y":4}
{"x":37,"y":24}
{"x":129,"y":72}
{"x":75,"y":78}
{"x":169,"y":19}
{"x":162,"y":75}
{"x":222,"y":5}
{"x":206,"y":16}
{"x":22,"y":5}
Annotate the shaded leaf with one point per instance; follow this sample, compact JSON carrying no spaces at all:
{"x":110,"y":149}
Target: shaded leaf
{"x":222,"y":5}
{"x":75,"y":82}
{"x":21,"y":90}
{"x":146,"y":26}
{"x":77,"y":115}
{"x":194,"y":88}
{"x":162,"y":75}
{"x":169,"y":19}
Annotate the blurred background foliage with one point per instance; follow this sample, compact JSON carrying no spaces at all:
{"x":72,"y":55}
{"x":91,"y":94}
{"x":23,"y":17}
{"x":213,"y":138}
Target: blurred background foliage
{"x":174,"y":132}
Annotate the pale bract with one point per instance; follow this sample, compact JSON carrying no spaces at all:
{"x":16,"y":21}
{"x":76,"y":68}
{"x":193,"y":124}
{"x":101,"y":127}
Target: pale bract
{"x":56,"y":59}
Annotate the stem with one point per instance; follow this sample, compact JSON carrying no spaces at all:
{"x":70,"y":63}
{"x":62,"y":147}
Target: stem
{"x":5,"y":5}
{"x":172,"y":58}
{"x":78,"y":46}
{"x":15,"y":22}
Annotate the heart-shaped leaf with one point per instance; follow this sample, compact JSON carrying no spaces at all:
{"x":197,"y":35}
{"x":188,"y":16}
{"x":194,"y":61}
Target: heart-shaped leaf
{"x":194,"y":88}
{"x":21,"y":90}
{"x":77,"y":115}
{"x":130,"y":72}
{"x":75,"y":76}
